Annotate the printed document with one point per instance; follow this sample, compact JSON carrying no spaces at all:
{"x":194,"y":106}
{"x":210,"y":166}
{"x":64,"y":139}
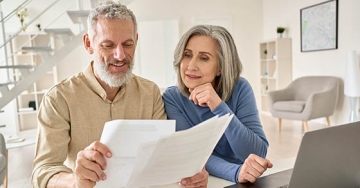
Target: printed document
{"x":161,"y":159}
{"x":123,"y":138}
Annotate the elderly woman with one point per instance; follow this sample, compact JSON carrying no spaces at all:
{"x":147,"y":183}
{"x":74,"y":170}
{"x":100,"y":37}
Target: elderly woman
{"x":209,"y":84}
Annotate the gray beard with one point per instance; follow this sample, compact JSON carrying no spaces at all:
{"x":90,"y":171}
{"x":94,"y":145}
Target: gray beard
{"x":112,"y":80}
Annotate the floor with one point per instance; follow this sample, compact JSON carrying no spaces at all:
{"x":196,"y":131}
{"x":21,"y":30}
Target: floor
{"x":283,"y":144}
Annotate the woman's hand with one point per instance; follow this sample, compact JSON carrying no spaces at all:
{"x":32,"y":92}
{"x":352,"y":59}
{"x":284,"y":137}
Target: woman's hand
{"x":198,"y":180}
{"x":205,"y":95}
{"x":253,"y":167}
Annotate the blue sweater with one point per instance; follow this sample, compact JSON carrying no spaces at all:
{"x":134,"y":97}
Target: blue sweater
{"x":243,"y":136}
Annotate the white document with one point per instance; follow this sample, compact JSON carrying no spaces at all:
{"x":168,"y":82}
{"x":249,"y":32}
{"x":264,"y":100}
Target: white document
{"x":163,"y":160}
{"x":123,"y":138}
{"x":179,"y":155}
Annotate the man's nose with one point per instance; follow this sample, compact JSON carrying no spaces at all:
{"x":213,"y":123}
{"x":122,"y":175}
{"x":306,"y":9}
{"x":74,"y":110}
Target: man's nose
{"x":119,"y":53}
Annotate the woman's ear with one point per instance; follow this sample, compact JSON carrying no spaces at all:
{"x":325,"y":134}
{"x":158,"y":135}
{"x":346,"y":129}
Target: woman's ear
{"x":87,"y":43}
{"x":218,"y":73}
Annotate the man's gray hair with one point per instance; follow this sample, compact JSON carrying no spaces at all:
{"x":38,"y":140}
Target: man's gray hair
{"x":229,"y":62}
{"x":109,"y":10}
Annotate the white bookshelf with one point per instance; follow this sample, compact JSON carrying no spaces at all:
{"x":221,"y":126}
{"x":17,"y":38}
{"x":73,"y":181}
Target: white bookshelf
{"x":275,"y":67}
{"x":27,"y":103}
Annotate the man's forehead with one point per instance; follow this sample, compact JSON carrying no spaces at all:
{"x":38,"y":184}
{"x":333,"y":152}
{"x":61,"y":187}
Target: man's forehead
{"x":115,"y":28}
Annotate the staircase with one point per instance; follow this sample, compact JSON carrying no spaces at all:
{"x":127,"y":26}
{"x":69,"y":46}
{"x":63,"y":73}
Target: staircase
{"x":50,"y":57}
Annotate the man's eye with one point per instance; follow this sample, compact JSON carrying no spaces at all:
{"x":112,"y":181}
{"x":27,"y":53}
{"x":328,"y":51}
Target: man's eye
{"x":108,"y":45}
{"x":129,"y":44}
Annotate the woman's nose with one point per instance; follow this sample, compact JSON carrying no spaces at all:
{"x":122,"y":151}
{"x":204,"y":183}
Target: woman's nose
{"x":192,"y":64}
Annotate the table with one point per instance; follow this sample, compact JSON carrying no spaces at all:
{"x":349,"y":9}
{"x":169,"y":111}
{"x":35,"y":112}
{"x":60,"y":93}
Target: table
{"x":215,"y":182}
{"x":278,"y":165}
{"x":29,"y":140}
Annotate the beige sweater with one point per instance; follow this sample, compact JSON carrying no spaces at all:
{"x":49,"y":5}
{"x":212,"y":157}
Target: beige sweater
{"x":72,"y":115}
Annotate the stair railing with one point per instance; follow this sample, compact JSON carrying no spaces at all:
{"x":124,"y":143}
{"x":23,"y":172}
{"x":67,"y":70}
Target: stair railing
{"x":2,"y":21}
{"x":10,"y":15}
{"x":30,"y":22}
{"x":35,"y":35}
{"x":10,"y":51}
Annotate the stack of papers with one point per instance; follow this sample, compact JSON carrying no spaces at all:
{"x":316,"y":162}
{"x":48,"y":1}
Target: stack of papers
{"x":149,"y":153}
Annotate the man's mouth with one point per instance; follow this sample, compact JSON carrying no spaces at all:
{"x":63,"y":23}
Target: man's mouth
{"x":117,"y":64}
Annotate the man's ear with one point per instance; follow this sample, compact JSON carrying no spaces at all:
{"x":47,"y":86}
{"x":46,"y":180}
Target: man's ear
{"x":136,"y":38}
{"x":87,"y":43}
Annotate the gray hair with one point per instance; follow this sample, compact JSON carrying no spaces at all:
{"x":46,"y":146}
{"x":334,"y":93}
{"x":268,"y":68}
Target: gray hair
{"x":229,"y":62}
{"x":110,"y":10}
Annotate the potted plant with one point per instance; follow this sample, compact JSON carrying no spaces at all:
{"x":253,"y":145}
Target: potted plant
{"x":280,"y":31}
{"x":38,"y":26}
{"x":22,"y":14}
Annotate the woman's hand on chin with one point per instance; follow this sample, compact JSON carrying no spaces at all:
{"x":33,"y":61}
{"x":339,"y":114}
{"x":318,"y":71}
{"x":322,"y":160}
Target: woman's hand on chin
{"x":205,"y":95}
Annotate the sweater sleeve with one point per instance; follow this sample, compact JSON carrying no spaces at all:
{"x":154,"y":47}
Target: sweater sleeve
{"x":221,"y":168}
{"x":173,"y":111}
{"x":216,"y":166}
{"x":244,"y":133}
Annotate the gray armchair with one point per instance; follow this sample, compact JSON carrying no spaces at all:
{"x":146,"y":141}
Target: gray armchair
{"x":304,"y":99}
{"x":3,"y":159}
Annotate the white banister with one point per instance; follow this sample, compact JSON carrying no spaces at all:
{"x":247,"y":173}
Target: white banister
{"x":30,"y":22}
{"x":3,"y":39}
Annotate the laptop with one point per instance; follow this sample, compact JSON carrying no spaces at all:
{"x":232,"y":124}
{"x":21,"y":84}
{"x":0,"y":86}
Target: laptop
{"x":328,"y":157}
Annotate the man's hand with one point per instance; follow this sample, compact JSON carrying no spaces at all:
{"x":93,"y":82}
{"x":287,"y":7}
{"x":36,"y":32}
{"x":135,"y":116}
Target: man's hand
{"x":253,"y":167}
{"x":205,"y":95}
{"x":90,"y":164}
{"x":198,"y":180}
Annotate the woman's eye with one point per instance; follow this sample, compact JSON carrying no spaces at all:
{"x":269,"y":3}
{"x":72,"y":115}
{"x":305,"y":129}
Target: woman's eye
{"x":204,"y":58}
{"x":187,"y":55}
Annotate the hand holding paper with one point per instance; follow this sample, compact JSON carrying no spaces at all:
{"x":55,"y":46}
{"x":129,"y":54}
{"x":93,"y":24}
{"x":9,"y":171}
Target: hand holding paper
{"x":123,"y":138}
{"x":164,"y":160}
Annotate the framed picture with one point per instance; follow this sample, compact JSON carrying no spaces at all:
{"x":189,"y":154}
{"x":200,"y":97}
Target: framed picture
{"x":319,"y":27}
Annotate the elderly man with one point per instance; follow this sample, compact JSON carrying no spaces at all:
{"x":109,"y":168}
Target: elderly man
{"x":73,"y":113}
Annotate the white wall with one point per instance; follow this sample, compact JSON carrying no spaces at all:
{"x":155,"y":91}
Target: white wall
{"x":330,"y":62}
{"x":243,"y":18}
{"x":73,"y":63}
{"x":251,"y":22}
{"x":156,"y":42}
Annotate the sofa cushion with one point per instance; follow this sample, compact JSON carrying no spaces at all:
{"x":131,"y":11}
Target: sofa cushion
{"x":290,"y":106}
